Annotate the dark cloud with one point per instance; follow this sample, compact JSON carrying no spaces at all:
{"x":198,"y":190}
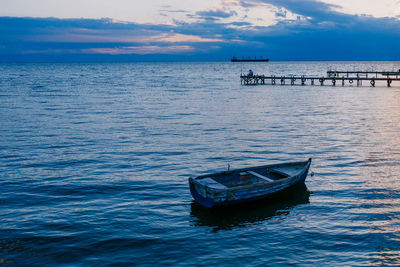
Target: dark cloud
{"x":174,"y":10}
{"x":216,"y":14}
{"x":281,"y":13}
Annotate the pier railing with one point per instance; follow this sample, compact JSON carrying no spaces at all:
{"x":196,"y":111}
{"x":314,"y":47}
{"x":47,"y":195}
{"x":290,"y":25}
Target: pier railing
{"x":333,"y":78}
{"x":376,"y":74}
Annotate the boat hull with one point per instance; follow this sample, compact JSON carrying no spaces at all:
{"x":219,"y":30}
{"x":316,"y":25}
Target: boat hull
{"x":221,"y":198}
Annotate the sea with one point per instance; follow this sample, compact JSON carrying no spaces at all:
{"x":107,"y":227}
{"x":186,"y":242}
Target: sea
{"x":95,"y":160}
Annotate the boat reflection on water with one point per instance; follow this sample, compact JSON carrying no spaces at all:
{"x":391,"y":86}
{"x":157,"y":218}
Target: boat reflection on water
{"x":242,"y":215}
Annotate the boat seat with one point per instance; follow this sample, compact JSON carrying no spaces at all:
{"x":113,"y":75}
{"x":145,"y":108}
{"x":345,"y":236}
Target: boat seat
{"x":209,"y":182}
{"x":260,"y":176}
{"x":285,"y":172}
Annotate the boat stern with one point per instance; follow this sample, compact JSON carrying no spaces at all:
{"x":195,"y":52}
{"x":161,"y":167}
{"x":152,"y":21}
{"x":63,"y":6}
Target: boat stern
{"x":199,"y":194}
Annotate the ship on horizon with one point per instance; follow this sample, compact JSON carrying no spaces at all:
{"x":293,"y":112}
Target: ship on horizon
{"x":249,"y":59}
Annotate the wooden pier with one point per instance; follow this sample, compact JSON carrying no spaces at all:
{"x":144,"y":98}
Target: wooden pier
{"x":333,"y":78}
{"x":376,"y":74}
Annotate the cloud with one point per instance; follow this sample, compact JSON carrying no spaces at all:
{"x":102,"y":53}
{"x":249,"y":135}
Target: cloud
{"x":281,"y":13}
{"x":298,"y":30}
{"x":216,"y":14}
{"x":139,"y":50}
{"x":174,"y":10}
{"x":175,"y":38}
{"x":51,"y":36}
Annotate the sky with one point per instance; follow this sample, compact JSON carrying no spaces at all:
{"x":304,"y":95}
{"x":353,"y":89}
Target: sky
{"x":185,"y":30}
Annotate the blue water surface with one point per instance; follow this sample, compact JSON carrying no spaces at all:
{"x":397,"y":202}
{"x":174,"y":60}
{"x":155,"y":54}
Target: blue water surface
{"x":95,"y":157}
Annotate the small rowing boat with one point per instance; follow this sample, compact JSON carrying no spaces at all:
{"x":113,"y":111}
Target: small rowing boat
{"x":248,"y":184}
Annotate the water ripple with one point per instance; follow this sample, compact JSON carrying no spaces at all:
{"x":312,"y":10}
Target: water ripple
{"x":94,"y":161}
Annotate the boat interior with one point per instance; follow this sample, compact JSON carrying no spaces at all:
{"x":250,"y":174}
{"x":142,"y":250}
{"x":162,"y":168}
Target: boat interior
{"x":250,"y":176}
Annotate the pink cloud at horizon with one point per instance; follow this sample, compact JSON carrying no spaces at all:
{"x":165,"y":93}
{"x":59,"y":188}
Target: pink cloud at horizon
{"x":140,"y":50}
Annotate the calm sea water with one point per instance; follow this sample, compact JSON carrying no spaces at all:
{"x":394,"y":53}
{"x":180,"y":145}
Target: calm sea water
{"x":94,"y":162}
